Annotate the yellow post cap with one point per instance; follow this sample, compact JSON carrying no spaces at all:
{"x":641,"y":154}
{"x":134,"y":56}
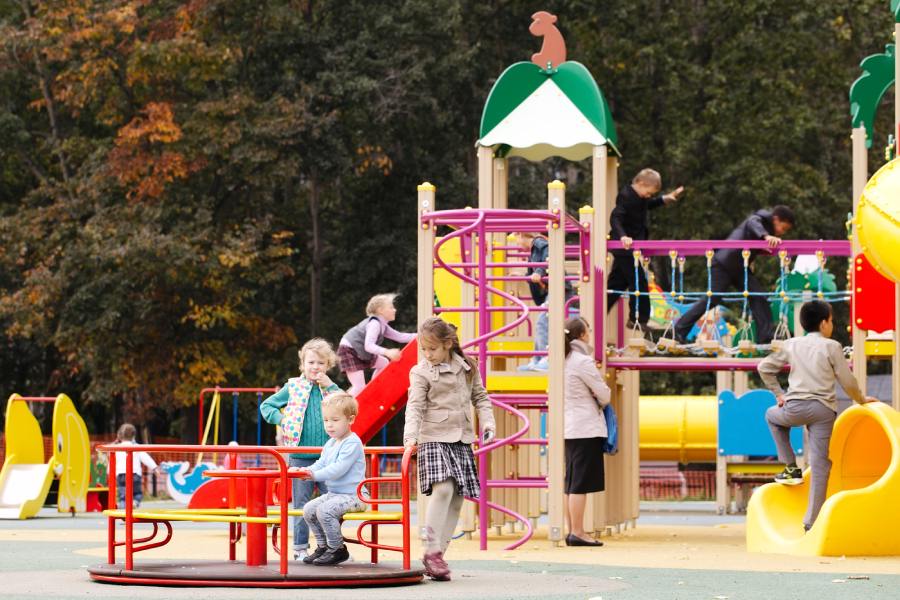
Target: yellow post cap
{"x":586,"y":210}
{"x":556,"y":184}
{"x":425,"y":187}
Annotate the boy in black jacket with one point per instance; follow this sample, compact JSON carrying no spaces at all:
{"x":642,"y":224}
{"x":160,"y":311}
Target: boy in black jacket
{"x":628,"y":222}
{"x":728,"y":271}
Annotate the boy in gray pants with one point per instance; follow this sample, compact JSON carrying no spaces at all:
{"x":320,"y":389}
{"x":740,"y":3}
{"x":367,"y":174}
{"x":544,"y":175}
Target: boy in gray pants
{"x":816,"y":361}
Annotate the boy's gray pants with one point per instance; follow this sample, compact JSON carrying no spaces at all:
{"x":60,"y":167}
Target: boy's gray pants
{"x":819,"y":421}
{"x":323,"y":515}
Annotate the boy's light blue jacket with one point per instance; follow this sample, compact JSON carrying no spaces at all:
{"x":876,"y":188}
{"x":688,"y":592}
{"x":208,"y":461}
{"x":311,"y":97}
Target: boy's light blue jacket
{"x":342,"y":465}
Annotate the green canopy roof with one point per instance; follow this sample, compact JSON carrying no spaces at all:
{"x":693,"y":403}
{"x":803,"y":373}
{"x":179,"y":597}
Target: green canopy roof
{"x":535,"y":113}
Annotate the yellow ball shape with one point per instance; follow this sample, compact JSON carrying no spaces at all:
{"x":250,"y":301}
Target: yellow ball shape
{"x":878,"y":220}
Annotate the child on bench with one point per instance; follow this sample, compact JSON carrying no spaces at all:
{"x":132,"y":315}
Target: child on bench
{"x":342,"y":466}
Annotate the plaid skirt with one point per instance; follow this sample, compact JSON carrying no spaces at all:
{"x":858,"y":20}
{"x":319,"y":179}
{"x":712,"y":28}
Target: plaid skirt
{"x":439,"y":461}
{"x":349,"y":360}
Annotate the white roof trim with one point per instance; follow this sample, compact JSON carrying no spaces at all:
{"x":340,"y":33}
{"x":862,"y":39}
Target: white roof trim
{"x":546,"y":123}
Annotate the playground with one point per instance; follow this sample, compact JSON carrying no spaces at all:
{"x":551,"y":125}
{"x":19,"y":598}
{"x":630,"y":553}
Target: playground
{"x":694,"y":505}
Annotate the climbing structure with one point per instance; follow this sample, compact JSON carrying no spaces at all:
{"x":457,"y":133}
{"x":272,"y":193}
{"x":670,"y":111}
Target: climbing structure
{"x":549,"y":107}
{"x":553,"y":107}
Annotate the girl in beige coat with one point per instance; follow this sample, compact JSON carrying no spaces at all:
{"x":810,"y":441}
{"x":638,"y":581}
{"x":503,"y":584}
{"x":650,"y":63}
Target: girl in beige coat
{"x":442,"y":389}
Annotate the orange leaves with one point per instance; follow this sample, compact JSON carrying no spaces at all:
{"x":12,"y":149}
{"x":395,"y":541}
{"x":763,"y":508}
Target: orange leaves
{"x":157,"y":124}
{"x":140,"y":160}
{"x":373,"y":157}
{"x":85,"y":41}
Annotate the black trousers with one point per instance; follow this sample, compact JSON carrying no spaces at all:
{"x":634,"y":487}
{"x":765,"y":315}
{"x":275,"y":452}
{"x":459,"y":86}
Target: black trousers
{"x":722,"y":279}
{"x":621,"y":277}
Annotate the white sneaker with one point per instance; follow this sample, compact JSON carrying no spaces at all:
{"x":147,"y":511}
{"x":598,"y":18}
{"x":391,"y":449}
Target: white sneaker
{"x":299,"y":555}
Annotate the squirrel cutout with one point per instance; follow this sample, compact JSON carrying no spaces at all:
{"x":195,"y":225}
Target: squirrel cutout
{"x":553,"y":50}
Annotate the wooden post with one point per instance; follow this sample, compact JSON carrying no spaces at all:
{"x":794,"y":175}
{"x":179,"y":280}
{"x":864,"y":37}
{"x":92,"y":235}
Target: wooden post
{"x":501,"y":183}
{"x":586,"y":304}
{"x":424,"y":292}
{"x":860,"y":175}
{"x":556,"y":234}
{"x":586,"y":299}
{"x":629,"y":425}
{"x":724,"y":381}
{"x":598,"y":502}
{"x":425,"y":283}
{"x":600,"y":199}
{"x":485,"y":177}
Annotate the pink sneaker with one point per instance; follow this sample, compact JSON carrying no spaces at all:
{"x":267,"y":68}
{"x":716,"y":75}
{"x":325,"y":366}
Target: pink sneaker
{"x":436,"y":567}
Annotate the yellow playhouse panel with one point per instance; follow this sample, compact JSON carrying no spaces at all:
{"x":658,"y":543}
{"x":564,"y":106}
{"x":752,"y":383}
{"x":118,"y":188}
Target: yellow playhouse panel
{"x":879,"y":348}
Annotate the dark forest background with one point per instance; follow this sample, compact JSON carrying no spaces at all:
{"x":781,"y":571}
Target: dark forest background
{"x":191,"y":189}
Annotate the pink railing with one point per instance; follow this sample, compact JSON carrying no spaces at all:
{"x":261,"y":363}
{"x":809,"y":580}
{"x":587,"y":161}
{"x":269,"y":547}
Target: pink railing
{"x":480,"y":222}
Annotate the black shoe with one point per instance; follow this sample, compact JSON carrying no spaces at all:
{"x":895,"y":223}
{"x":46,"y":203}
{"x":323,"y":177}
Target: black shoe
{"x":680,"y":339}
{"x":790,"y":476}
{"x":309,"y":558}
{"x":333,"y":556}
{"x":573,"y":540}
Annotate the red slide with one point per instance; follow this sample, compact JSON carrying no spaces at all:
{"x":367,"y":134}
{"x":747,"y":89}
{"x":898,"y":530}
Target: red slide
{"x":385,"y":395}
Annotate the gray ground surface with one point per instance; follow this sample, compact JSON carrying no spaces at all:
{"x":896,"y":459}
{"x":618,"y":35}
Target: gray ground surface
{"x":48,"y":569}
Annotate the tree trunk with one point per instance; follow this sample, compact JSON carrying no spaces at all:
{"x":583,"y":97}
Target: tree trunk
{"x":315,"y":272}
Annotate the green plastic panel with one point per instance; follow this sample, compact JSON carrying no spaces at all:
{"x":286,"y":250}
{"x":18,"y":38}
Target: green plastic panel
{"x":521,"y":79}
{"x":868,"y":90}
{"x":515,"y":84}
{"x":576,"y":81}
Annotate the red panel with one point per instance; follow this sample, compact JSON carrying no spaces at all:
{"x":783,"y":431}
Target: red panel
{"x":214,"y":494}
{"x":385,"y":395}
{"x":873,"y":297}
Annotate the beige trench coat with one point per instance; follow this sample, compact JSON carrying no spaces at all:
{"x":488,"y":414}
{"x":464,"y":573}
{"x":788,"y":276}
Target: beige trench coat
{"x":438,"y":409}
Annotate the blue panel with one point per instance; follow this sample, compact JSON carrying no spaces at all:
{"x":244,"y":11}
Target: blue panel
{"x":742,"y":425}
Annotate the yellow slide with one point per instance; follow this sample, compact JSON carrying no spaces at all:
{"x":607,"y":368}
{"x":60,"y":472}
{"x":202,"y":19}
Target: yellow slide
{"x":859,"y":517}
{"x":25,"y":478}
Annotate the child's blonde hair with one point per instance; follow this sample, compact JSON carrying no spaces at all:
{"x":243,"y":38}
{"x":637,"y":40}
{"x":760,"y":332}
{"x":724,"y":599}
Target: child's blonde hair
{"x":378,"y":302}
{"x":440,"y":331}
{"x":648,"y":177}
{"x":321,"y":348}
{"x":343,"y":402}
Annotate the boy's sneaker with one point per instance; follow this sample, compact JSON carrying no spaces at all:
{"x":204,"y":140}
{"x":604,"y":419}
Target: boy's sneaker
{"x":300,"y":555}
{"x":790,"y":476}
{"x":333,"y":556}
{"x":319,"y":551}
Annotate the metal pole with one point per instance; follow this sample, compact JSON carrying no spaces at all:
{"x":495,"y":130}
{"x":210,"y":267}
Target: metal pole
{"x":259,"y":421}
{"x":234,"y":416}
{"x":483,"y":327}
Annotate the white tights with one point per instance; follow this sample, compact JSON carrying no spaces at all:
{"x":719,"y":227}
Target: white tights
{"x":358,"y":378}
{"x":443,"y":513}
